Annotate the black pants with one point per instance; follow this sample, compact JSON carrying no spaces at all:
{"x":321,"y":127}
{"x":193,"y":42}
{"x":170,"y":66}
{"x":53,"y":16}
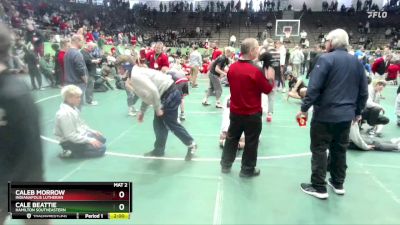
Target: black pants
{"x":171,"y":101}
{"x":332,"y":136}
{"x":34,"y":74}
{"x":85,"y":150}
{"x":251,"y":126}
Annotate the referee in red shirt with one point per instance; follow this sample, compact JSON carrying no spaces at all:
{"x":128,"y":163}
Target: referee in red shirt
{"x":247,"y":83}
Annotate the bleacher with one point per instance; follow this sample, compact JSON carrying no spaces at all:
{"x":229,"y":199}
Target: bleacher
{"x":238,"y":27}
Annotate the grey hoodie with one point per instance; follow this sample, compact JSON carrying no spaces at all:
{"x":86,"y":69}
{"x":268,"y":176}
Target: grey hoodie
{"x":149,"y":85}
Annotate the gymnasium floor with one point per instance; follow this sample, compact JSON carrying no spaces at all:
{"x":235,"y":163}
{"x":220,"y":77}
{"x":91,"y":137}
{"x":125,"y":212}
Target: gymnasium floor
{"x":172,"y":191}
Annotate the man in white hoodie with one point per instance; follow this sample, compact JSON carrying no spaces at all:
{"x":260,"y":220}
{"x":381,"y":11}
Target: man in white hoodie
{"x":297,"y":58}
{"x":159,"y":90}
{"x":372,"y":112}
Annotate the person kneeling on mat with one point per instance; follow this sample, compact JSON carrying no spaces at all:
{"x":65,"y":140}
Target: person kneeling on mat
{"x":366,"y":142}
{"x":225,"y":125}
{"x":297,"y":87}
{"x":76,"y":138}
{"x":373,"y":113}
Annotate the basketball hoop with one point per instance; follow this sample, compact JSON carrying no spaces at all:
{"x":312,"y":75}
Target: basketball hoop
{"x":287,"y":30}
{"x":287,"y":34}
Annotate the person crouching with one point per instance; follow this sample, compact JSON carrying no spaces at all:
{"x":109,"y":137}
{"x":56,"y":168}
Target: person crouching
{"x":76,"y":138}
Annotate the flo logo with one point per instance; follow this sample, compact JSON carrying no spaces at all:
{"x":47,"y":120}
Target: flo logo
{"x":380,"y":15}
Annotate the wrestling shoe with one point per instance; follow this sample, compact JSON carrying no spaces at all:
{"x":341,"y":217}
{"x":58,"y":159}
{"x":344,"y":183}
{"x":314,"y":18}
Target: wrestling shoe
{"x":191,"y":151}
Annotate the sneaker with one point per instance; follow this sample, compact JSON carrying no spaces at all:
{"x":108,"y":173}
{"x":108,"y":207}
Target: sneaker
{"x":93,"y":103}
{"x":255,"y":173}
{"x":284,"y":90}
{"x":338,"y":189}
{"x":132,"y":111}
{"x":42,"y":89}
{"x":65,"y":154}
{"x":218,"y":105}
{"x":190,"y":152}
{"x":153,"y":153}
{"x":225,"y":169}
{"x":205,"y":103}
{"x":309,"y":189}
{"x":182,"y":117}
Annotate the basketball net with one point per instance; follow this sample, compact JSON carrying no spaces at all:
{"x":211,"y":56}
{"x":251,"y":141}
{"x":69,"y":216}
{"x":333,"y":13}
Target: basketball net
{"x":287,"y":34}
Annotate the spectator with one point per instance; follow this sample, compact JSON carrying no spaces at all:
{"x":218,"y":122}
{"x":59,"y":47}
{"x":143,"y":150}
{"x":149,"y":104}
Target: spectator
{"x":269,"y":26}
{"x":91,"y":65}
{"x":303,"y":36}
{"x":74,"y":65}
{"x":393,"y":71}
{"x":216,"y":51}
{"x":195,"y":62}
{"x":247,"y":83}
{"x":21,"y":158}
{"x":158,"y":60}
{"x":32,"y":61}
{"x":297,"y":58}
{"x":338,"y":91}
{"x":64,"y":46}
{"x":379,"y":67}
{"x":46,"y":66}
{"x":388,"y":32}
{"x":232,"y":41}
{"x":217,"y":71}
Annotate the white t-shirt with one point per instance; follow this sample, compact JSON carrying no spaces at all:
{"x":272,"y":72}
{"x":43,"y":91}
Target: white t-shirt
{"x":303,"y":35}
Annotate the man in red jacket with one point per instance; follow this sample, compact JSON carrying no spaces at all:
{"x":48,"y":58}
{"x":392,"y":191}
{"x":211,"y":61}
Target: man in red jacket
{"x":247,"y":83}
{"x":393,"y":69}
{"x":216,"y":51}
{"x":381,"y":64}
{"x":158,"y":60}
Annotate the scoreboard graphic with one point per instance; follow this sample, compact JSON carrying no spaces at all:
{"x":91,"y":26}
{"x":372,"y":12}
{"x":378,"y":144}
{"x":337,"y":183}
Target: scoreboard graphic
{"x":70,"y":200}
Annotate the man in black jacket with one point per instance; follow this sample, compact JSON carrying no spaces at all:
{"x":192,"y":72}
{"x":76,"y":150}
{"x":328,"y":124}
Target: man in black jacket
{"x":20,"y":146}
{"x":338,"y":91}
{"x":91,"y":65}
{"x":314,"y":55}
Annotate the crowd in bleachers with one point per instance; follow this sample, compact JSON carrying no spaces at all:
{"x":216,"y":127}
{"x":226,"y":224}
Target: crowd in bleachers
{"x":123,"y":26}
